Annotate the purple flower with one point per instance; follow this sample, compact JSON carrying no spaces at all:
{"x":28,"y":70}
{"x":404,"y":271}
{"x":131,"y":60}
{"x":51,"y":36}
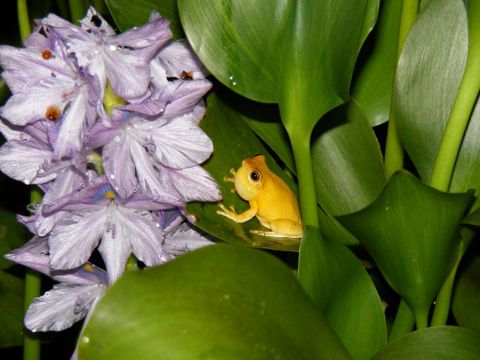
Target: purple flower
{"x":121,"y":59}
{"x":97,"y":213}
{"x":70,"y":300}
{"x":158,"y":156}
{"x":47,"y":86}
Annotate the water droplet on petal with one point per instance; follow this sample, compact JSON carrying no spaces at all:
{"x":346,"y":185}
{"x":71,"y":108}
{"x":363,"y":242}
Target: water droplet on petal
{"x":112,"y":48}
{"x":27,"y":181}
{"x":116,"y":139}
{"x":112,"y":177}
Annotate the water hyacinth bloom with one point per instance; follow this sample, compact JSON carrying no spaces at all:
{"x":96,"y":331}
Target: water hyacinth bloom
{"x":70,"y":300}
{"x":107,"y":125}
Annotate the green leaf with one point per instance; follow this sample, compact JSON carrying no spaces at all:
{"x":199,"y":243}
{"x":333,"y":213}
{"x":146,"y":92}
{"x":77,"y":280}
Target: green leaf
{"x":11,"y":303}
{"x":264,"y":120}
{"x":428,"y":76}
{"x":347,"y":161}
{"x":233,"y":142}
{"x":219,"y":302}
{"x":276,"y":52}
{"x":372,"y":88}
{"x":466,"y":299}
{"x":343,"y":291}
{"x":411,"y":231}
{"x":467,"y":168}
{"x":439,"y":343}
{"x":125,"y":18}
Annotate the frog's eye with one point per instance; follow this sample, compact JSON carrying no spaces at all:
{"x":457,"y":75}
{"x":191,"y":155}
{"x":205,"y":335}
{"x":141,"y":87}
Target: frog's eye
{"x":255,"y":176}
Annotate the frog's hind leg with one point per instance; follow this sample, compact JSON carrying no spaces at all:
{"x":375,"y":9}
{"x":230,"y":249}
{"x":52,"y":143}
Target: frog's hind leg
{"x":281,"y":228}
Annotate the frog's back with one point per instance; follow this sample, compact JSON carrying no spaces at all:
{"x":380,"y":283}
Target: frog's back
{"x":277,"y":200}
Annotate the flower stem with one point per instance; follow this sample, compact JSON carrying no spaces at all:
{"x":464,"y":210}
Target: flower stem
{"x":442,"y":305}
{"x":393,"y":148}
{"x":33,"y":284}
{"x":23,"y":19}
{"x":404,"y":321}
{"x":303,"y":161}
{"x":421,"y":318}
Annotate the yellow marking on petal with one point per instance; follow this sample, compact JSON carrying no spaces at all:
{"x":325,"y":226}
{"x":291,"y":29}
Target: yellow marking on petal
{"x":110,"y":195}
{"x":88,"y":268}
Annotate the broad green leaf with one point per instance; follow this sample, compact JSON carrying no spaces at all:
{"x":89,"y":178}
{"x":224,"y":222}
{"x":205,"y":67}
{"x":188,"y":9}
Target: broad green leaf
{"x":466,"y":174}
{"x":439,"y":343}
{"x":466,"y":299}
{"x":264,"y":120}
{"x":343,"y":291}
{"x":11,"y":303}
{"x":219,"y":302}
{"x":428,"y":76}
{"x":233,"y":142}
{"x":125,"y":18}
{"x":372,"y":88}
{"x":297,"y":53}
{"x":347,"y":161}
{"x":411,"y":231}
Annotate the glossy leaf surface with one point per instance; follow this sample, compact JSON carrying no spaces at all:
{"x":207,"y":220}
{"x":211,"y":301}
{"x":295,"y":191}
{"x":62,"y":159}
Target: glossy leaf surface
{"x":347,"y":161}
{"x":372,"y":87}
{"x":438,"y":342}
{"x":343,"y":291}
{"x":220,"y":302}
{"x":233,"y":142}
{"x":428,"y":76}
{"x":411,"y":231}
{"x":271,"y":51}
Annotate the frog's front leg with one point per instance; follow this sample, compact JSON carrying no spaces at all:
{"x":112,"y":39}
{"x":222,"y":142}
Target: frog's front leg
{"x":238,"y":218}
{"x":282,"y":228}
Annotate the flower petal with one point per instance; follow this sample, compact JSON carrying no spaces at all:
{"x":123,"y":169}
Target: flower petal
{"x":184,"y":239}
{"x":180,"y":143}
{"x":61,"y":307}
{"x":191,"y":184}
{"x":22,"y":161}
{"x":146,"y":39}
{"x":34,"y":254}
{"x":119,"y":166}
{"x":128,"y":73}
{"x":25,"y":107}
{"x":178,"y":57}
{"x":148,"y":177}
{"x":146,"y":244}
{"x":74,"y":238}
{"x":115,"y":247}
{"x":72,"y":129}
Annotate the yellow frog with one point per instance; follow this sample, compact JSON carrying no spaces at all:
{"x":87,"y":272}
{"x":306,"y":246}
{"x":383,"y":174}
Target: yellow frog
{"x":270,"y":200}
